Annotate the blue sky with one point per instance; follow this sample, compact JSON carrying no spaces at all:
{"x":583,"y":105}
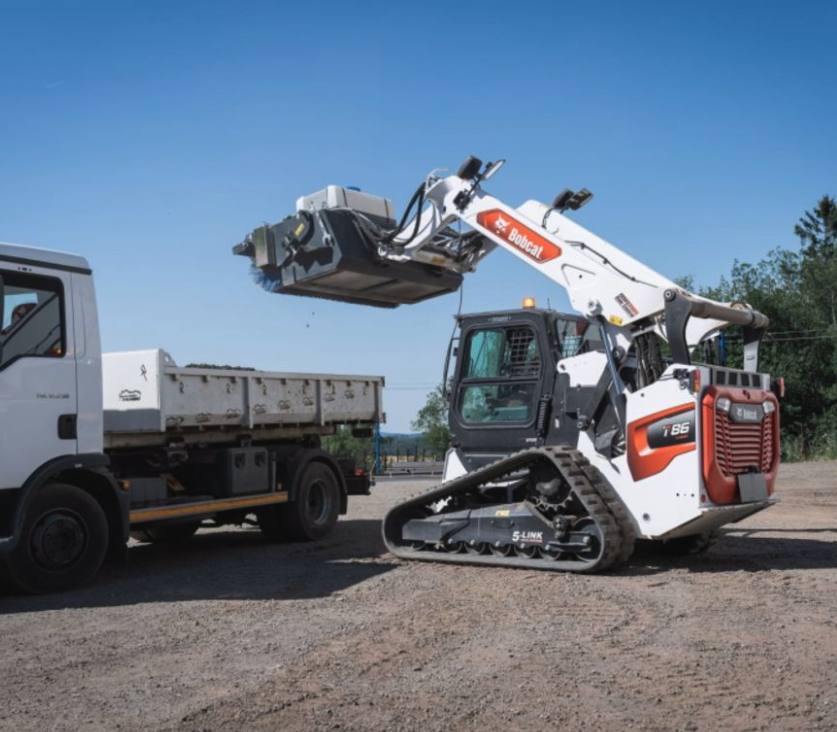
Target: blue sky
{"x":152,"y":136}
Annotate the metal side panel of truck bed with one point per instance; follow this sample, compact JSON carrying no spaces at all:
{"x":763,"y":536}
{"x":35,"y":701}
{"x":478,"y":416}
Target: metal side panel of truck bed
{"x":147,"y":394}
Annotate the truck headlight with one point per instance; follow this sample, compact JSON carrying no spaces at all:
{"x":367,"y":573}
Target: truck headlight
{"x":768,"y":406}
{"x":723,"y":405}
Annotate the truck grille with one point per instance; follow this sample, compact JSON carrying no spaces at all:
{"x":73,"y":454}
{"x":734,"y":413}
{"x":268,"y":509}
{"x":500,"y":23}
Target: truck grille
{"x":744,"y":448}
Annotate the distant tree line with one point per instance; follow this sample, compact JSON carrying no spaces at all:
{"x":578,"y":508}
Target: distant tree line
{"x":797,"y":290}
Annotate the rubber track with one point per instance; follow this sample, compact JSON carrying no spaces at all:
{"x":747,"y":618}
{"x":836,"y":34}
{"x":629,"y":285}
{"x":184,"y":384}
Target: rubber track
{"x":599,"y":499}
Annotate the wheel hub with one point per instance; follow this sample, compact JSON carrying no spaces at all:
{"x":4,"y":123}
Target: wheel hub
{"x":58,"y":539}
{"x":318,"y":507}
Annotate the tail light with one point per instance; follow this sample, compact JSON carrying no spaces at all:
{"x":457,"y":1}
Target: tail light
{"x":695,"y":381}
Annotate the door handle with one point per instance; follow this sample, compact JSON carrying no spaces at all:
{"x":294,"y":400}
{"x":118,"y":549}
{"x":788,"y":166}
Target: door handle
{"x":68,"y":427}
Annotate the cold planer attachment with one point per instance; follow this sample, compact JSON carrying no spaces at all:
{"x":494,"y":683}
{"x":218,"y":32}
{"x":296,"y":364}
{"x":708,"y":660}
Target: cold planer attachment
{"x":329,"y":251}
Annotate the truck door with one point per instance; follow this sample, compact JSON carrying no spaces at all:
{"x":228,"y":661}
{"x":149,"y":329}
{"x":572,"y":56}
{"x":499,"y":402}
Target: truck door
{"x":38,"y":398}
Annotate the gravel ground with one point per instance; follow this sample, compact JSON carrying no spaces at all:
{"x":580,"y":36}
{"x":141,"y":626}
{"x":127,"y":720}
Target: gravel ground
{"x":230,"y":633}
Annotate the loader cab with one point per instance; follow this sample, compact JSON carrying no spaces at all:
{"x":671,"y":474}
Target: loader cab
{"x":504,"y":378}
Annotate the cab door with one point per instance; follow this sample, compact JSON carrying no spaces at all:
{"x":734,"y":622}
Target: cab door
{"x":499,"y":389}
{"x":38,"y":395}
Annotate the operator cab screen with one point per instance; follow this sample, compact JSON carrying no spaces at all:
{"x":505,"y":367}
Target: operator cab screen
{"x":501,"y":375}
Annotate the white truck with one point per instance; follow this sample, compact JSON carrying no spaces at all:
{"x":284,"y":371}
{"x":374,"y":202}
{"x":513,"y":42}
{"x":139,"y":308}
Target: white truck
{"x":95,"y":448}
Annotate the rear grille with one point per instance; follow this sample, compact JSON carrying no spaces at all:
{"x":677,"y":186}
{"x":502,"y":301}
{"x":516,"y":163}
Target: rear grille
{"x":743,"y":448}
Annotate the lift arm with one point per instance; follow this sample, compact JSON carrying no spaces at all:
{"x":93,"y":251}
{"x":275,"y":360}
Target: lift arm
{"x":603,"y":282}
{"x":344,"y":245}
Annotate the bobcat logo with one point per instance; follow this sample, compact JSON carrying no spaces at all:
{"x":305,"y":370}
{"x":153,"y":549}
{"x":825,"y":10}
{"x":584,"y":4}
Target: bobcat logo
{"x":501,"y":225}
{"x":524,"y":239}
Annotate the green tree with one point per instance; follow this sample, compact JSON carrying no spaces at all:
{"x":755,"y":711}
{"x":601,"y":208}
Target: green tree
{"x":344,"y":444}
{"x":432,"y":422}
{"x":817,"y":229}
{"x":797,"y":290}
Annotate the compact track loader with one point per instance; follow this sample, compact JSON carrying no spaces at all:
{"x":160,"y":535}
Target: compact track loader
{"x":573,"y":436}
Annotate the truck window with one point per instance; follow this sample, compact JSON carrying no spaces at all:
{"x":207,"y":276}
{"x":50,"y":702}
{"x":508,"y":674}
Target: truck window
{"x":33,"y":317}
{"x":502,"y":370}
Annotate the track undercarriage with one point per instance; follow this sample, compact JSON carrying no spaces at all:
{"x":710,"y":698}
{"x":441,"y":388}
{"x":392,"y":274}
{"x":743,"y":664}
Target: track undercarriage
{"x":543,"y":508}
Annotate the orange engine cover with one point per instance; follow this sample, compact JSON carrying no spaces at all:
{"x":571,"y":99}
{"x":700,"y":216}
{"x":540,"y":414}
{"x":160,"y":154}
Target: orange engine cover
{"x":731,"y":448}
{"x":654,"y":441}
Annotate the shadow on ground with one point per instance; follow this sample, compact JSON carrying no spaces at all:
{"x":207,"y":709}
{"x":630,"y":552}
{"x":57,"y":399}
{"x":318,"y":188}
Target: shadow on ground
{"x":746,"y":550}
{"x":241,"y":565}
{"x":233,"y":565}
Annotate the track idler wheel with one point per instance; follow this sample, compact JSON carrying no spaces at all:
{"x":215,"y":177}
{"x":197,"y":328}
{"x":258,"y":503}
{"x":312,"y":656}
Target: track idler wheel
{"x":592,"y":533}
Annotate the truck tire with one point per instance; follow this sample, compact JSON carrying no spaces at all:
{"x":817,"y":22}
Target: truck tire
{"x":62,"y":543}
{"x":167,"y":533}
{"x":314,"y":512}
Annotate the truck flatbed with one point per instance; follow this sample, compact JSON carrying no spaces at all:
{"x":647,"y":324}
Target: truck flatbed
{"x":150,"y":400}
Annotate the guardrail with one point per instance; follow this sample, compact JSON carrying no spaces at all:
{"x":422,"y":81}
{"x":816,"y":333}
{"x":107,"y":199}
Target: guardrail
{"x":400,"y":470}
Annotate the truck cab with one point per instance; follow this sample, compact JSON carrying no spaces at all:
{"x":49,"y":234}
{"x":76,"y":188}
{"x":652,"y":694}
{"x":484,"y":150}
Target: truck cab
{"x":54,"y":486}
{"x":50,"y":361}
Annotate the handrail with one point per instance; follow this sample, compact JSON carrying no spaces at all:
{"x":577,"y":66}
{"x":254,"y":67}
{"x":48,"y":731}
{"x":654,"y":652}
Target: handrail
{"x":680,"y":307}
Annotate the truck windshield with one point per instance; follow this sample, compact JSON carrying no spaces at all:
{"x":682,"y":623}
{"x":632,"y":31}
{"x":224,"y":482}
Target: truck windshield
{"x":32,"y":317}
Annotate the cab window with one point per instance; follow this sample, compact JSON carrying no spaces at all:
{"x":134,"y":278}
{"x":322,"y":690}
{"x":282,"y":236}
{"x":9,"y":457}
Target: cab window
{"x":500,"y":376}
{"x":33,"y":318}
{"x":497,"y":403}
{"x":577,"y":336}
{"x":508,"y":352}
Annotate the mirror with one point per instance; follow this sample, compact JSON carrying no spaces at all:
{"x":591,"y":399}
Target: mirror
{"x":492,"y":168}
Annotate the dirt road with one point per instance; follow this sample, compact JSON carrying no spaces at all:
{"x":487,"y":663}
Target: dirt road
{"x":231,"y":633}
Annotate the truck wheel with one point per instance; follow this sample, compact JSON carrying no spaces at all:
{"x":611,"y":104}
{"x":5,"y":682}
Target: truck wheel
{"x":63,"y":541}
{"x":314,"y":512}
{"x":167,"y":533}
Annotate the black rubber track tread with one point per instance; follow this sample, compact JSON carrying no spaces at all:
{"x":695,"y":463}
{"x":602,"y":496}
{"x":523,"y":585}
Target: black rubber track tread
{"x":615,"y":505}
{"x":599,"y":500}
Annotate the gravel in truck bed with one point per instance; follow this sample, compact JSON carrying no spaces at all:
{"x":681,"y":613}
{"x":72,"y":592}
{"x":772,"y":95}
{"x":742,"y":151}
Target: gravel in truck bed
{"x":228,"y":632}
